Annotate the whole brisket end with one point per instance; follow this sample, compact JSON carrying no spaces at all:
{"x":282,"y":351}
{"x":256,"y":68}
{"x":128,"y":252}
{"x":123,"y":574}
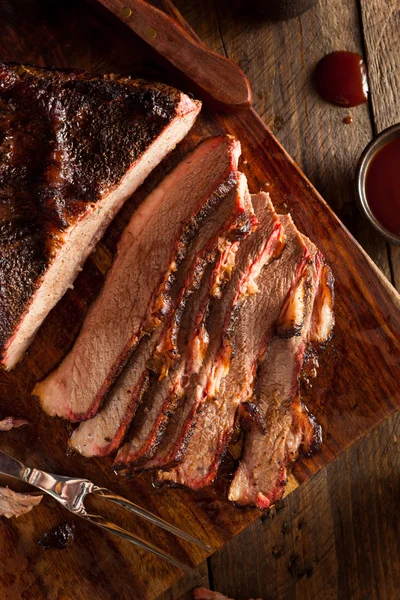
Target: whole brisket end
{"x":73,"y":148}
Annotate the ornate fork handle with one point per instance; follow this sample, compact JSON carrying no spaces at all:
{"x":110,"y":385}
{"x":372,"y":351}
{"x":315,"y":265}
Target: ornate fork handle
{"x":71,"y":492}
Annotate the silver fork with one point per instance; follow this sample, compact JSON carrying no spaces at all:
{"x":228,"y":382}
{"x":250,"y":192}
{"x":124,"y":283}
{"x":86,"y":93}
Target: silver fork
{"x":71,"y":492}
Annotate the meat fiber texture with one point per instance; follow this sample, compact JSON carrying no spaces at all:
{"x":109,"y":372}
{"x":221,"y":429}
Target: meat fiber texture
{"x":215,"y":244}
{"x":254,"y":253}
{"x":136,"y":294}
{"x":262,"y":472}
{"x":164,"y":398}
{"x":73,"y":148}
{"x":253,"y":328}
{"x":295,"y":300}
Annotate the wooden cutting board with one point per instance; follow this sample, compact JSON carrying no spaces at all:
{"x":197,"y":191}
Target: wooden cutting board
{"x":359,"y":375}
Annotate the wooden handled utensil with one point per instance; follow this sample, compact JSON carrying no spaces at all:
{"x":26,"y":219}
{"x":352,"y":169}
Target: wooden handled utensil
{"x":216,"y":75}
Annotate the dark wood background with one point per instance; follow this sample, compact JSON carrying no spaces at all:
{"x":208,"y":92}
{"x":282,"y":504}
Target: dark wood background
{"x":298,"y":546}
{"x":338,"y":535}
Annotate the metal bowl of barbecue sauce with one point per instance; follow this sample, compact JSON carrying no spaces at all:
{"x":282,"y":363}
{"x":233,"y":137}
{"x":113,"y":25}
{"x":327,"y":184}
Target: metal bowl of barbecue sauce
{"x":378,"y":183}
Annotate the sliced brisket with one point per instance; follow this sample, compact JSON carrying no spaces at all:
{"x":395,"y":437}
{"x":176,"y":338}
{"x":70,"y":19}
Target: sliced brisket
{"x":255,"y":325}
{"x":262,"y":472}
{"x":73,"y":148}
{"x":161,"y":400}
{"x":217,"y":237}
{"x":136,"y":294}
{"x":103,"y":434}
{"x":225,"y":317}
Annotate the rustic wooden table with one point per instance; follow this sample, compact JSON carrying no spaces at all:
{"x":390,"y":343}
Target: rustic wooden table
{"x":338,"y":536}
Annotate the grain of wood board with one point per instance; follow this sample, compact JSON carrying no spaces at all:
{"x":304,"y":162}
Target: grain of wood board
{"x":335,"y":537}
{"x":70,"y":33}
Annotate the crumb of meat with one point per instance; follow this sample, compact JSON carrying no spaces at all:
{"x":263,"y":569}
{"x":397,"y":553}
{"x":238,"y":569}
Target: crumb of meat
{"x":13,"y":504}
{"x":11,"y":422}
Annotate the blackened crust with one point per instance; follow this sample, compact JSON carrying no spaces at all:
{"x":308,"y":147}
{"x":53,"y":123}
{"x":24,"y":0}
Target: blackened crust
{"x":66,"y":139}
{"x":309,"y":447}
{"x":188,"y":232}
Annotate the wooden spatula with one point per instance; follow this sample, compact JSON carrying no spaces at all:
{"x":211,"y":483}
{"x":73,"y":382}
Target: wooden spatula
{"x":217,"y":76}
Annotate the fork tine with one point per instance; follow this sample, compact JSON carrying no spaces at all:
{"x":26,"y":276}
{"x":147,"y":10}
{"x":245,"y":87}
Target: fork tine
{"x":137,"y":541}
{"x":137,"y":510}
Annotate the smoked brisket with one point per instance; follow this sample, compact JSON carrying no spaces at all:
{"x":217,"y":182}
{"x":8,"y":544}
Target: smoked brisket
{"x":136,"y":297}
{"x":73,"y":148}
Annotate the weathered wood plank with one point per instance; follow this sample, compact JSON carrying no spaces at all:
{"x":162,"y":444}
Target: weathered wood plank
{"x":279,"y":60}
{"x":381,"y":25}
{"x":337,"y":536}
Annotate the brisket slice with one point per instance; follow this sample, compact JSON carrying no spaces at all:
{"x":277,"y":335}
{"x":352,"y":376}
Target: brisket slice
{"x":103,"y":434}
{"x":256,"y":252}
{"x":136,"y":294}
{"x":161,"y":400}
{"x":149,"y":425}
{"x":217,"y":241}
{"x":255,"y":325}
{"x":73,"y":148}
{"x":262,"y":472}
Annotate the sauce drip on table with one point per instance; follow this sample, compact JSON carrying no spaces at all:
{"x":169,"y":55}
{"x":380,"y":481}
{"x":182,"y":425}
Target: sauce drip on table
{"x":382,"y":186}
{"x":341,"y":78}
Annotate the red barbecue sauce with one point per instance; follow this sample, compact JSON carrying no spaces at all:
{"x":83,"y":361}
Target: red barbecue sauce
{"x":341,"y":78}
{"x":382,"y":186}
